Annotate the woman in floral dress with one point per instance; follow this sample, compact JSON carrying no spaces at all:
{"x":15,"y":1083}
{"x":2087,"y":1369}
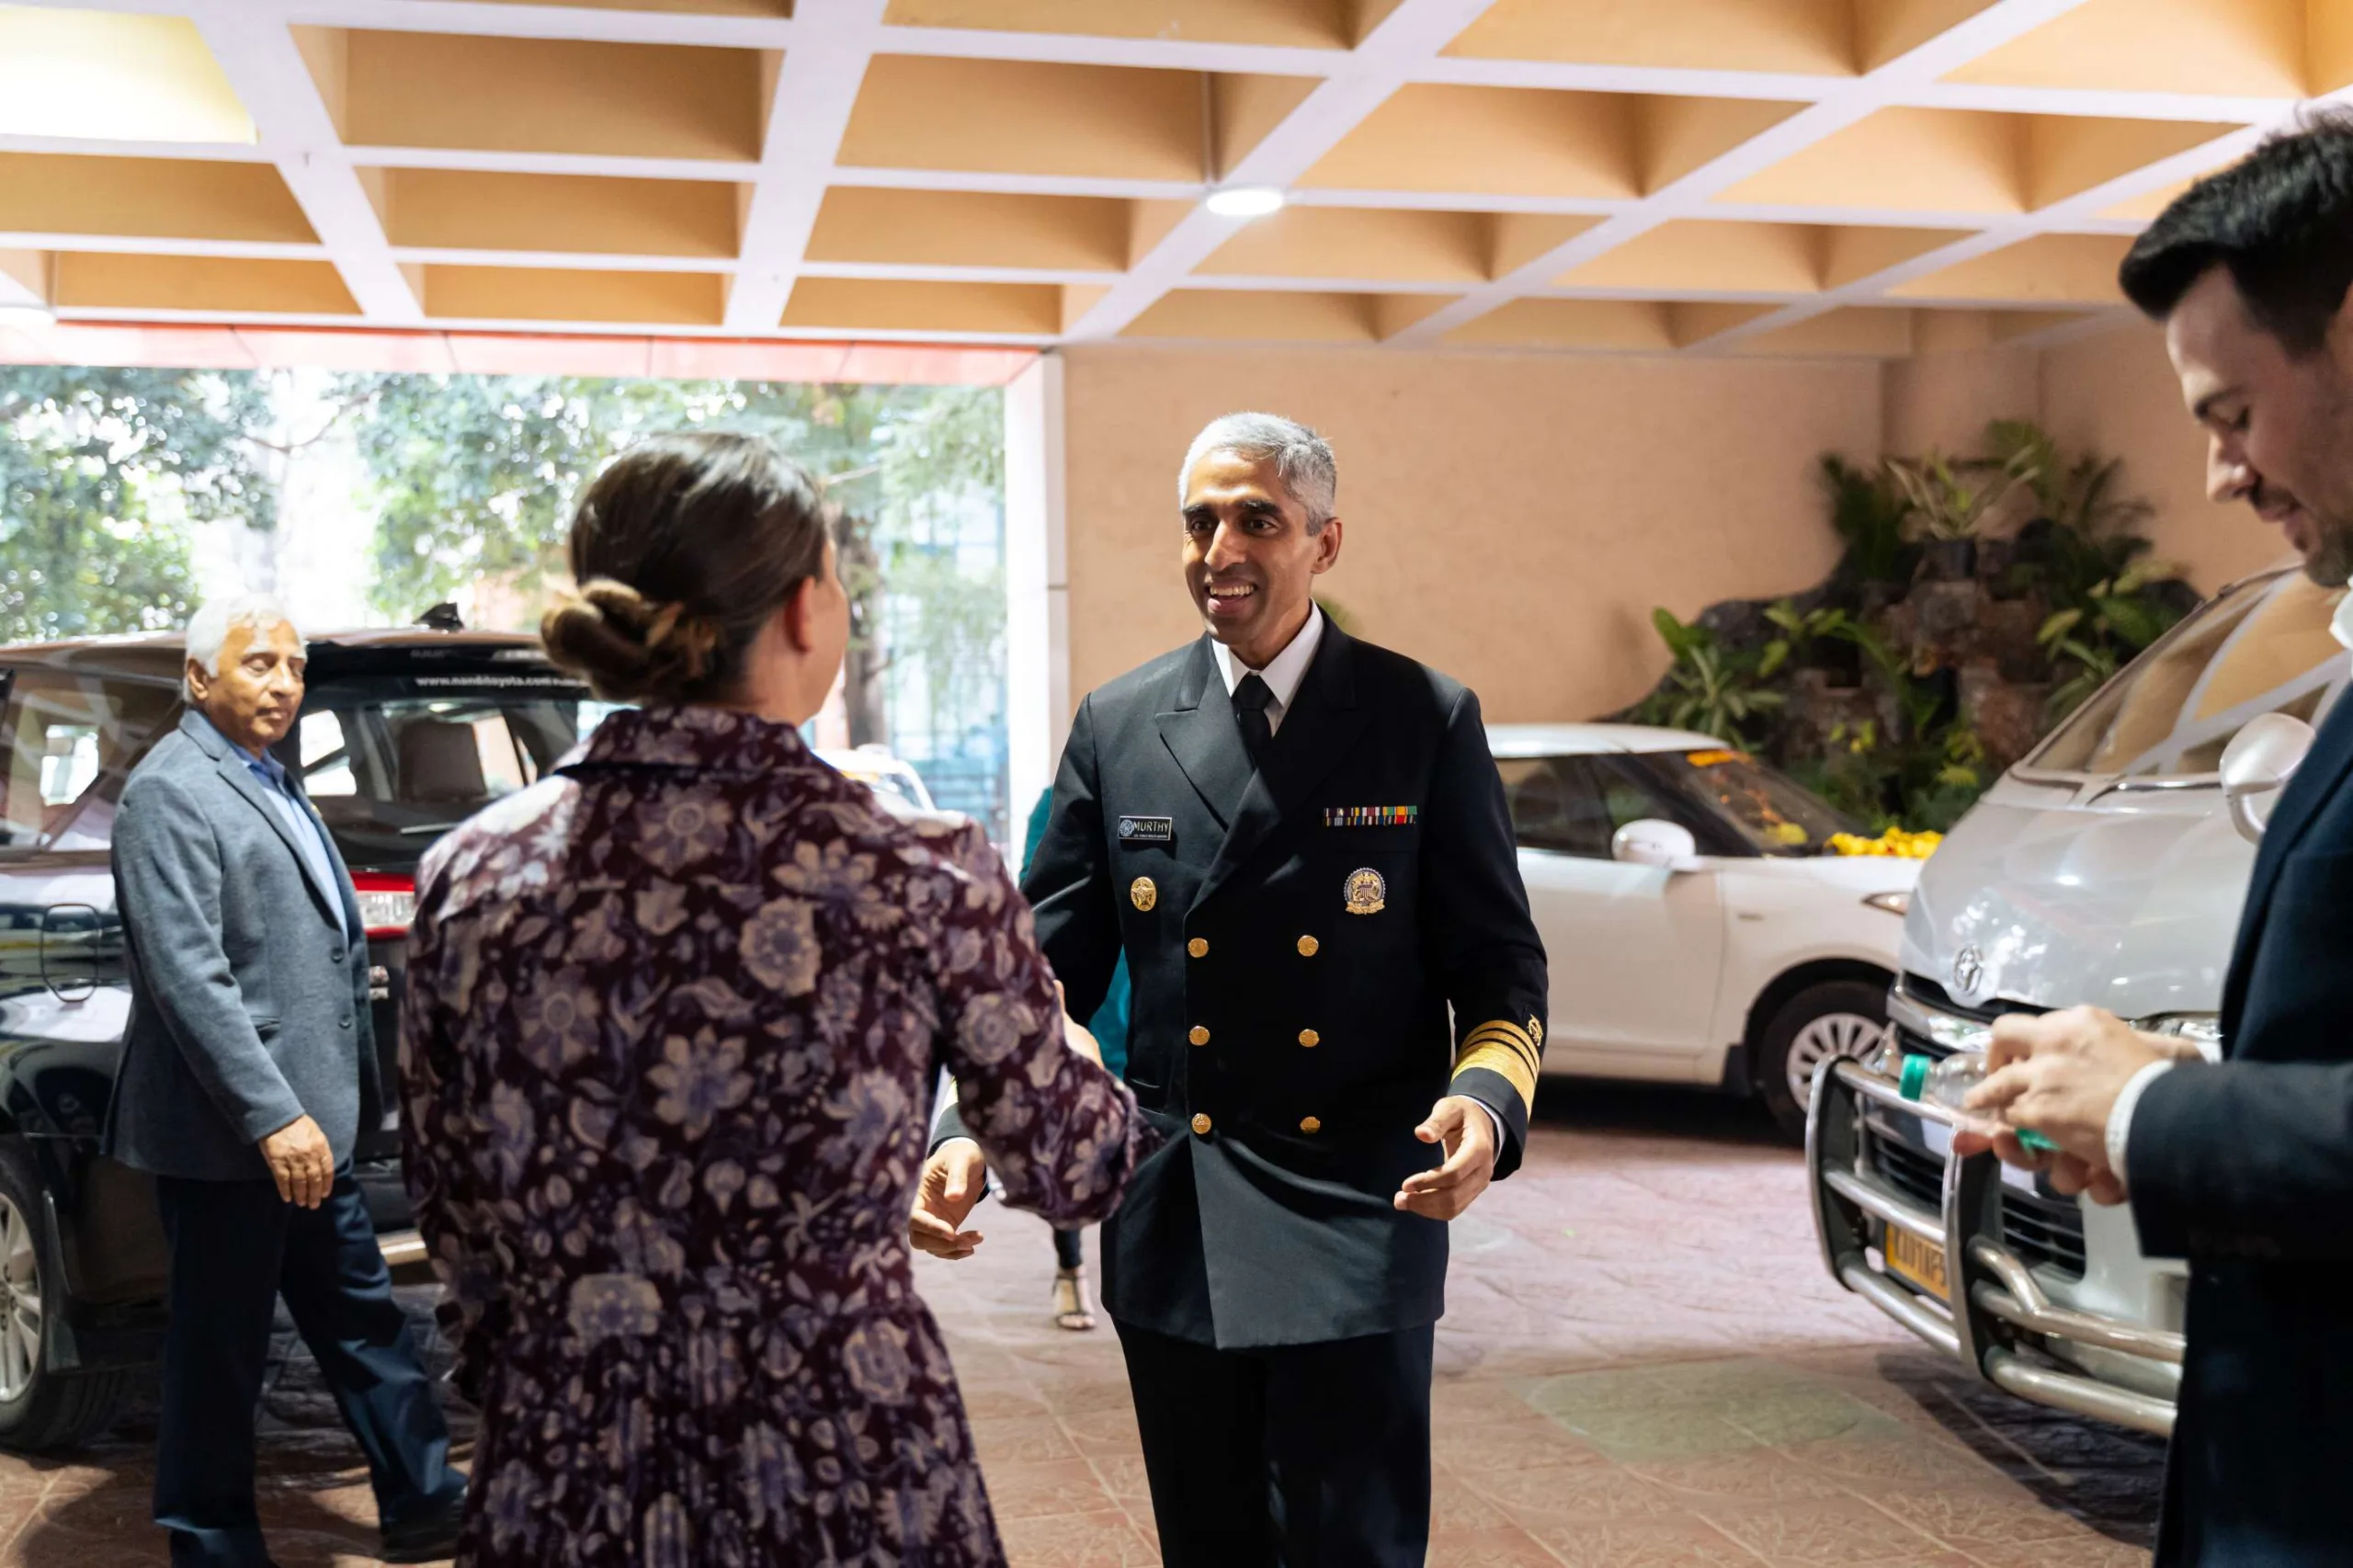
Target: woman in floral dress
{"x":673,"y":1020}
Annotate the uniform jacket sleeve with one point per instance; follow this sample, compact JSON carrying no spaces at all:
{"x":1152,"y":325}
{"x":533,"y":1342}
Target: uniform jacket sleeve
{"x":2245,"y":1160}
{"x":1480,"y":938}
{"x":167,"y":874}
{"x":1069,"y":879}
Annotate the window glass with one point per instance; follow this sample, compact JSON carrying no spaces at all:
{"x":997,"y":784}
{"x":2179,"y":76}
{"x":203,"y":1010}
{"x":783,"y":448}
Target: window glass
{"x":70,"y":739}
{"x":1556,"y":803}
{"x":2261,"y":647}
{"x":1770,"y":812}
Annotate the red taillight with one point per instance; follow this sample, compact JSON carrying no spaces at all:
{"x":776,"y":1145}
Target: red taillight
{"x":387,"y":904}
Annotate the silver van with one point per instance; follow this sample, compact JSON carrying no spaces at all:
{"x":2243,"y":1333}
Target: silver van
{"x":2103,"y":869}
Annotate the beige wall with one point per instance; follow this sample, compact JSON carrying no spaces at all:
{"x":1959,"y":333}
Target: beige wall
{"x":1511,"y":519}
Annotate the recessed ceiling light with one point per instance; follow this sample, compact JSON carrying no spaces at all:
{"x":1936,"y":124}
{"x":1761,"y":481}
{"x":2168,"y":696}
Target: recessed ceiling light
{"x":1245,"y":201}
{"x":27,"y":317}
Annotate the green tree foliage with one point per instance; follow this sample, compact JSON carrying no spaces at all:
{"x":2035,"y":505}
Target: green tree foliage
{"x":100,"y":473}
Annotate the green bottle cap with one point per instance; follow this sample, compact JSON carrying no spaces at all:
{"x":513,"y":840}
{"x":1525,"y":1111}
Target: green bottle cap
{"x":1916,"y":1077}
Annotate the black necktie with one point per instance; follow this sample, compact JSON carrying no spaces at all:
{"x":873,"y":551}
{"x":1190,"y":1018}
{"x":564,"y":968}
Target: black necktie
{"x":1250,"y":698}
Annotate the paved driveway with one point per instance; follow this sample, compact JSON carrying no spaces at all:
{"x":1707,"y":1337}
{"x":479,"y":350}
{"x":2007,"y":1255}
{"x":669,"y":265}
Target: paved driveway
{"x":1642,"y":1365}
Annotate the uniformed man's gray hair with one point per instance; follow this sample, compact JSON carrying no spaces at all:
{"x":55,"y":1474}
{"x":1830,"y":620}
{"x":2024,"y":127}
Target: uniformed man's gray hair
{"x":1301,"y":458}
{"x":208,"y":628}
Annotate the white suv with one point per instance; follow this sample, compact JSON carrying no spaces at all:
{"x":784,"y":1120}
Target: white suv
{"x":1698,"y":929}
{"x":2103,"y":868}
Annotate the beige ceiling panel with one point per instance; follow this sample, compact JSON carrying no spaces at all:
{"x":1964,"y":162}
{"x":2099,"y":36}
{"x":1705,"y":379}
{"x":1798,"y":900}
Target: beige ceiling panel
{"x":1696,"y":321}
{"x":1078,"y":298}
{"x":1504,"y":141}
{"x":465,"y":210}
{"x":1887,"y":28}
{"x":2145,"y":208}
{"x":1393,"y":313}
{"x":2067,"y":154}
{"x":1515,"y":239}
{"x":1804,"y":36}
{"x":2328,"y":46}
{"x":1403,"y":245}
{"x":1860,"y":332}
{"x":29,"y":272}
{"x":174,"y":199}
{"x":112,"y":77}
{"x":1762,"y":258}
{"x":954,"y":228}
{"x":1297,"y":24}
{"x":864,"y":304}
{"x":770,"y":10}
{"x":2248,"y":48}
{"x":95,"y":281}
{"x":1673,"y":136}
{"x":1243,"y":108}
{"x":1149,"y":222}
{"x":553,"y":294}
{"x":511,"y":94}
{"x":2047,"y":269}
{"x":1902,"y":160}
{"x":2006,"y":325}
{"x":1269,"y":317}
{"x":1365,"y":14}
{"x":1570,"y":324}
{"x":1851,"y":253}
{"x":1024,"y":116}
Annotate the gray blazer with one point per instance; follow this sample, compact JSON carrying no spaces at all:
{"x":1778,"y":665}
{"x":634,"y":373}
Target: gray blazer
{"x":248,"y":997}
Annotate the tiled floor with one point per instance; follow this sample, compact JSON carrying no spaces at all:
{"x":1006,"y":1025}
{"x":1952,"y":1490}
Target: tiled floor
{"x":1643,"y":1366}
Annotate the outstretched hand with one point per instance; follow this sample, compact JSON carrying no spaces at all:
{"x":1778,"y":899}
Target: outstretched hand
{"x":952,"y":1182}
{"x":1462,"y":1125}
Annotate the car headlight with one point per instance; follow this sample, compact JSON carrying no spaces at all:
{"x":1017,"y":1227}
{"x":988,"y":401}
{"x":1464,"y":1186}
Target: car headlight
{"x":2203,"y":1030}
{"x":1896,"y":904}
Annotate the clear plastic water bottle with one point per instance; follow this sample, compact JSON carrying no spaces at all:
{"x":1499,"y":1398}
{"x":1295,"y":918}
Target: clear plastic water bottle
{"x":1948,"y":1083}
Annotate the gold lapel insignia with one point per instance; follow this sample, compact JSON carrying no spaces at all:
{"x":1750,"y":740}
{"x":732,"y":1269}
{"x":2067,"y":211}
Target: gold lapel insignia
{"x":1143,"y":894}
{"x":1367,"y":893}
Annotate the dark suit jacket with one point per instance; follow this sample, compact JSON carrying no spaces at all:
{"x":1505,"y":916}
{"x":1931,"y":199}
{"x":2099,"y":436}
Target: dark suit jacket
{"x":248,"y":994}
{"x":1287,"y":1045}
{"x":2246,"y":1170}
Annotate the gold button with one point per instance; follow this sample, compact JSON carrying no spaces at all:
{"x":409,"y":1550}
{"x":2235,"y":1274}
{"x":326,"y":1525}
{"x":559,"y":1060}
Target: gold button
{"x":1198,"y":946}
{"x":1201,"y":1123}
{"x":1310,"y":1126}
{"x":1199,"y":1035}
{"x":1308,"y":947}
{"x":1309,"y":1039}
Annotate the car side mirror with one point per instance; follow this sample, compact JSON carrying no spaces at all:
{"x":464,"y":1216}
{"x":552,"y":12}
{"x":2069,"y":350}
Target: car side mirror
{"x":1653,"y":842}
{"x":2260,"y":759}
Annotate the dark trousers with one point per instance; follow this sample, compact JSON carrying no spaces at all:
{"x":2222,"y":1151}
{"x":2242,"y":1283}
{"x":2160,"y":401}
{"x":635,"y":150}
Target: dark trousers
{"x":1070,"y":1249}
{"x":1301,"y":1456}
{"x":235,"y":1247}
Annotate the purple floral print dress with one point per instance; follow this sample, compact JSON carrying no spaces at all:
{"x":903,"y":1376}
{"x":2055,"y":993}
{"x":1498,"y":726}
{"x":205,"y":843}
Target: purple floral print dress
{"x":672,"y":1020}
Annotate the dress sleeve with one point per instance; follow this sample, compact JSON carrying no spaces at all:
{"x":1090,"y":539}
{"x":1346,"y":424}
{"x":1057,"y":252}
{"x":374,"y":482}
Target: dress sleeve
{"x":1062,"y":1135}
{"x":441,"y":1135}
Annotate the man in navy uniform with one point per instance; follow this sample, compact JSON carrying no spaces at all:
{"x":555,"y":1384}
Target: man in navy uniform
{"x":1300,"y":842}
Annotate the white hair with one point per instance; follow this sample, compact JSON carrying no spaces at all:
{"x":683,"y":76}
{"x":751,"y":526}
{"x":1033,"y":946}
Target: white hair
{"x":208,"y":628}
{"x":1301,"y":458}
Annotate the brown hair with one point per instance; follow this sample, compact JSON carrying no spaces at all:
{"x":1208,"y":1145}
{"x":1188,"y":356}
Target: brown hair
{"x":683,"y":547}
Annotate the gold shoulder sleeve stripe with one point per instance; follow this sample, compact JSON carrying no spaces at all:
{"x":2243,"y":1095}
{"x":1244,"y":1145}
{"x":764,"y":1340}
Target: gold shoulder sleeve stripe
{"x":1504,"y":1049}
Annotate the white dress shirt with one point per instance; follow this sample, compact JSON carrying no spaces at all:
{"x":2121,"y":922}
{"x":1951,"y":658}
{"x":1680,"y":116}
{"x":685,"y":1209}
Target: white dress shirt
{"x":2120,"y":1120}
{"x":1282,"y":674}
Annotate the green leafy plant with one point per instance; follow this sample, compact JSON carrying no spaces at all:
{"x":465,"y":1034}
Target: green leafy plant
{"x":1870,"y":515}
{"x":1708,"y":688}
{"x":1951,"y":498}
{"x":2092,"y":640}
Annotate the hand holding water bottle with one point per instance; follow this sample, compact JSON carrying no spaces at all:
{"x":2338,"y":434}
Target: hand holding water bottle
{"x":2060,"y":1074}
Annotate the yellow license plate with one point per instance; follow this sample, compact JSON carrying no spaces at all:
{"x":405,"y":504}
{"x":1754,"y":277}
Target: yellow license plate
{"x":1923,"y":1263}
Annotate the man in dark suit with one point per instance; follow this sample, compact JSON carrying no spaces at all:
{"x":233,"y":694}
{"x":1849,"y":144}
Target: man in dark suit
{"x":1300,"y":843}
{"x":2246,"y":1167}
{"x":246,"y":1071}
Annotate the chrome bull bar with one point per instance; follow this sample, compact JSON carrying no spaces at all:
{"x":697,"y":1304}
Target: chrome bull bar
{"x":2002,"y":1312}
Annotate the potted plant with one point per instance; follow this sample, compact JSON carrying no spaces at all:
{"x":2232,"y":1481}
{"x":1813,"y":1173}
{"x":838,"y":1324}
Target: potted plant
{"x":1951,"y":498}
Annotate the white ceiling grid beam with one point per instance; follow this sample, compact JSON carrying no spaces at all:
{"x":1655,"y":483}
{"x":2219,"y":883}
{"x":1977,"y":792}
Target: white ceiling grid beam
{"x":816,"y":88}
{"x":256,"y":52}
{"x":1360,"y":82}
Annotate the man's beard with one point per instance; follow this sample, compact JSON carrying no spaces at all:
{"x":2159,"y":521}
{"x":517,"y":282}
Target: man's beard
{"x":2331,"y":562}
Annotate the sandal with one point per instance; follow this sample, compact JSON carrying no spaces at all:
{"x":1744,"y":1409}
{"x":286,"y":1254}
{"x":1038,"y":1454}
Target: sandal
{"x":1073,"y":1310}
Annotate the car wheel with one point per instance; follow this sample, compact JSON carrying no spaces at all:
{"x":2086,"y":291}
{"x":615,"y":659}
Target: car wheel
{"x":1835,"y":1020}
{"x":41,"y":1411}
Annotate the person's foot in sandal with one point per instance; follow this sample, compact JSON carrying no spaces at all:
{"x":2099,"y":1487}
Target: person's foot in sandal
{"x":1073,"y":1310}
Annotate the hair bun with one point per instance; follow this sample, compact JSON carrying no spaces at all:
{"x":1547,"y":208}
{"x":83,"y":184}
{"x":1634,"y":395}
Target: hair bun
{"x":629,"y":650}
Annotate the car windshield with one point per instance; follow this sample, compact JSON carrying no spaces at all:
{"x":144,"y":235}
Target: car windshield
{"x":392,"y":767}
{"x":1771,"y":812}
{"x":2263,"y":646}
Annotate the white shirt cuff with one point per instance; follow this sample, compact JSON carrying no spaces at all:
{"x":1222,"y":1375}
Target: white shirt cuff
{"x":2120,"y":1120}
{"x":1499,"y":1123}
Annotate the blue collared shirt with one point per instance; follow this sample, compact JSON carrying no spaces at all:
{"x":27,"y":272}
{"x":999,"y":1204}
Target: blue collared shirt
{"x":271,"y":774}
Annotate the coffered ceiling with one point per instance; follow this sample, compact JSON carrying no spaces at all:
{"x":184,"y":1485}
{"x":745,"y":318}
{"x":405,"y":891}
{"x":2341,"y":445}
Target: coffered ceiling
{"x":1863,"y":177}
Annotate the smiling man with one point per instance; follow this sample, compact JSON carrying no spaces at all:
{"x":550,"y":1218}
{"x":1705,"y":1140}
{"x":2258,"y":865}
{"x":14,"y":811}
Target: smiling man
{"x":2246,"y":1167}
{"x":1300,"y":842}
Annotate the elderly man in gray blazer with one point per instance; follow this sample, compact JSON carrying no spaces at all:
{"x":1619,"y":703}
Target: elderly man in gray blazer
{"x":244,"y":1074}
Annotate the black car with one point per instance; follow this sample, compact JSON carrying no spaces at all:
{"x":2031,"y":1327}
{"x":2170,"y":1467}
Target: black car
{"x":402,"y":735}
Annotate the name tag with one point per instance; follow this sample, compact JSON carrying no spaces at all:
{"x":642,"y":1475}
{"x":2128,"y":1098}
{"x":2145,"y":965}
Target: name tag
{"x":1147,"y":830}
{"x":1372,"y":817}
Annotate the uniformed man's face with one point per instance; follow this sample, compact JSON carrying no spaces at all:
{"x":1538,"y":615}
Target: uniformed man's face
{"x":1250,"y":562}
{"x":2279,"y":425}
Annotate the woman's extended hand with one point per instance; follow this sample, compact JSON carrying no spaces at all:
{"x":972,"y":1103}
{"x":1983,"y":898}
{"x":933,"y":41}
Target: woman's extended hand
{"x":952,"y":1182}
